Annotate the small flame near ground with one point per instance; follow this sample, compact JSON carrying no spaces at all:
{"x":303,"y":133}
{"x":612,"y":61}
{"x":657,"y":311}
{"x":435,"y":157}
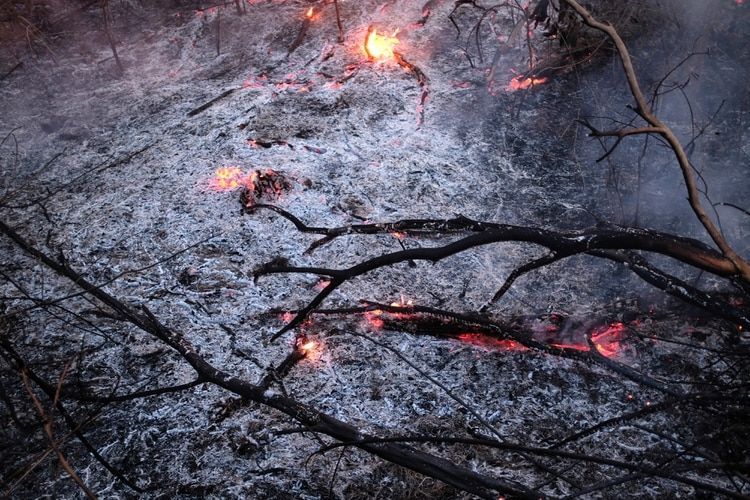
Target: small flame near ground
{"x":310,"y":349}
{"x":375,"y":320}
{"x":380,"y":47}
{"x":310,"y":13}
{"x":607,"y":339}
{"x":227,"y":179}
{"x":403,"y":302}
{"x":520,"y":83}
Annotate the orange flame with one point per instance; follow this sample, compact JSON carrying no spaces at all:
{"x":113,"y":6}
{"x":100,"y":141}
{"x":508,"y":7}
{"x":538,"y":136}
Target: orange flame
{"x":308,"y":346}
{"x":403,"y":303}
{"x":310,"y":12}
{"x":227,"y":178}
{"x":380,"y":47}
{"x":520,"y":83}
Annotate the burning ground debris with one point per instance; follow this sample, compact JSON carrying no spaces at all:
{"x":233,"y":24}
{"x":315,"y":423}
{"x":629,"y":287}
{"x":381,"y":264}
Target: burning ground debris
{"x":259,"y":185}
{"x":380,"y":47}
{"x":130,"y":312}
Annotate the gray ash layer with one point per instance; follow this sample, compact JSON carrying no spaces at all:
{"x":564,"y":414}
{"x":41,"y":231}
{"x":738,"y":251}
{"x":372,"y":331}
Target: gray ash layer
{"x":123,"y":175}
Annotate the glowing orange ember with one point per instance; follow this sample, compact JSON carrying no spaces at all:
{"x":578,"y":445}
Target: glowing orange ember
{"x":607,"y":339}
{"x":309,"y":13}
{"x":379,"y":47}
{"x":577,"y":347}
{"x":490,"y":343}
{"x":520,"y":83}
{"x":308,"y":346}
{"x":373,"y":319}
{"x":227,"y":178}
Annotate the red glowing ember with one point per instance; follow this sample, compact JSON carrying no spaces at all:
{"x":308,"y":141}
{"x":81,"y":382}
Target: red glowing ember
{"x":520,"y":83}
{"x":607,"y":339}
{"x":287,"y":317}
{"x":380,"y":47}
{"x":321,"y":284}
{"x":265,"y":184}
{"x":490,"y":343}
{"x":374,"y":319}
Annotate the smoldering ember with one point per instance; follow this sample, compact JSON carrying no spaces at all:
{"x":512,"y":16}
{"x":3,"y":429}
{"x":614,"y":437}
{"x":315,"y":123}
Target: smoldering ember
{"x":374,"y":249}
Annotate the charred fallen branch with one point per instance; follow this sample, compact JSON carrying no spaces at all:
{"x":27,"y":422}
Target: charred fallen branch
{"x":213,"y":101}
{"x":313,"y":419}
{"x":57,"y":396}
{"x":591,"y":241}
{"x":338,"y":21}
{"x":673,"y":394}
{"x":304,"y":26}
{"x":488,"y":333}
{"x":422,"y":81}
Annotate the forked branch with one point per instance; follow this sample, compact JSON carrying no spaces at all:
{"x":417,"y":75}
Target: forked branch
{"x":657,"y":126}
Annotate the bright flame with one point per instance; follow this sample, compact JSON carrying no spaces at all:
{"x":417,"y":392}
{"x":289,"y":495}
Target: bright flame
{"x":403,"y":302}
{"x":408,"y":303}
{"x":309,"y":349}
{"x":520,"y":83}
{"x":380,"y":46}
{"x":310,"y":12}
{"x":308,"y":346}
{"x":227,"y":178}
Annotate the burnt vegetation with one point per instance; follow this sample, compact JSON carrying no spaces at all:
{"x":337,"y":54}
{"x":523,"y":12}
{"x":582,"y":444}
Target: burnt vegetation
{"x":623,"y":400}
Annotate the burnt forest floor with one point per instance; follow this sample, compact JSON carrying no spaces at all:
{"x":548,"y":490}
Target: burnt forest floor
{"x":117,"y":172}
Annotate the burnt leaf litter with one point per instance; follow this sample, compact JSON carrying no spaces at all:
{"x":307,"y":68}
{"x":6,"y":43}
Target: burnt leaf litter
{"x":111,"y":165}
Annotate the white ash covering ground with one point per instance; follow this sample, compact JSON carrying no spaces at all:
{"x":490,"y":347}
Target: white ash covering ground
{"x":125,"y":177}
